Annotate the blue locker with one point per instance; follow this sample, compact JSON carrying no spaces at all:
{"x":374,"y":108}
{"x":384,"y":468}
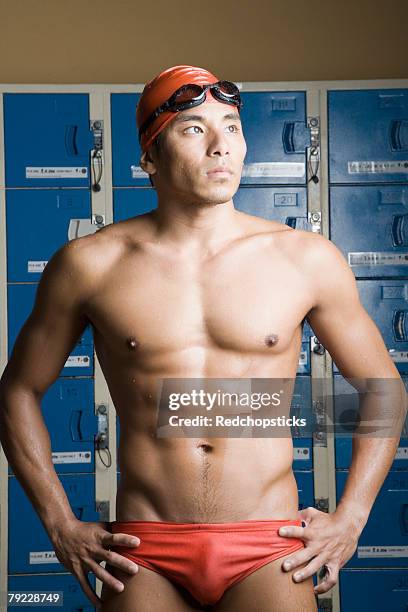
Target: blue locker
{"x":68,"y":411}
{"x":301,"y":407}
{"x":384,"y":539}
{"x":276,"y":133}
{"x":20,"y":300}
{"x":368,"y":136}
{"x":30,"y":549}
{"x":73,"y":597}
{"x":131,"y":202}
{"x":37,"y":226}
{"x":346,"y":401}
{"x":126,"y":152}
{"x":373,"y":590}
{"x":381,"y":249}
{"x":304,"y":481}
{"x":283,"y":204}
{"x":47,"y":140}
{"x":386,"y":303}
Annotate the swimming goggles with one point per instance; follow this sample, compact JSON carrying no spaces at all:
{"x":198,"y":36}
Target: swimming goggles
{"x":188,"y":96}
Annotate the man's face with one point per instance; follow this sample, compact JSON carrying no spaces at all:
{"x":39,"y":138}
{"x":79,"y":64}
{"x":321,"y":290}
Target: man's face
{"x":195,"y":144}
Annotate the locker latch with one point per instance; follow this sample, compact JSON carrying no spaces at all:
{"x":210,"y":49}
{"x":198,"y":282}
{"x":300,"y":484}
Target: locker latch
{"x":322,"y":504}
{"x":320,"y":434}
{"x":102,"y":438}
{"x":316,"y":346}
{"x":325,"y":604}
{"x":97,"y":132}
{"x":83,"y":227}
{"x":315,"y":220}
{"x":102,"y":508}
{"x":313,"y":156}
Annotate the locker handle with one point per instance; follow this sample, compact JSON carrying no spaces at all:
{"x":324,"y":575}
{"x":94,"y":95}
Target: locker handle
{"x":404,"y":519}
{"x":397,"y":230}
{"x":398,"y":325}
{"x":75,"y":425}
{"x":71,"y":133}
{"x":288,"y":137}
{"x":397,"y":135}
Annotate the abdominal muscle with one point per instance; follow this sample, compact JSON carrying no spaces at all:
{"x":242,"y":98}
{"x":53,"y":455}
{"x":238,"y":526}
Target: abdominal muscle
{"x":184,"y":479}
{"x":205,"y":479}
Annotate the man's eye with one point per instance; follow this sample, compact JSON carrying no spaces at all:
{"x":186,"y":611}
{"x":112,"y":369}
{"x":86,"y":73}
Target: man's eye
{"x":235,"y":128}
{"x":193,"y":127}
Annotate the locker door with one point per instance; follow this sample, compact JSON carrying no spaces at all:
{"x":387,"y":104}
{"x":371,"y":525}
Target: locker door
{"x":20,"y":303}
{"x":276,"y":133}
{"x":126,"y":171}
{"x":384,"y":539}
{"x":373,"y":590}
{"x":283,"y":204}
{"x":131,"y":202}
{"x":30,"y":549}
{"x":304,"y":480}
{"x":68,"y":411}
{"x":368,"y":136}
{"x":37,"y":225}
{"x":370,"y":226}
{"x":47,"y":140}
{"x":346,"y":406}
{"x":386,"y":303}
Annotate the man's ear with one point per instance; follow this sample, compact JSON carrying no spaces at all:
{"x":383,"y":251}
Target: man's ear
{"x":147,"y":163}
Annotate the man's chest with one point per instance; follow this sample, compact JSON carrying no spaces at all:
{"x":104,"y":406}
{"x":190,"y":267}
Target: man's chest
{"x":248,"y":305}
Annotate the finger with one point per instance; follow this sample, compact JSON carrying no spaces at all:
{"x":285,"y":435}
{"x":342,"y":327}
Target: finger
{"x":120,"y":539}
{"x":117,"y":560}
{"x":330,"y":579}
{"x":103,"y":575}
{"x":291,"y":531}
{"x":311,"y":568}
{"x":86,"y":586}
{"x":297,"y":559}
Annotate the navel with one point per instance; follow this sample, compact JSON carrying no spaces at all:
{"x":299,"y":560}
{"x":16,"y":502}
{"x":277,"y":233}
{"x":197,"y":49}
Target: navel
{"x":271,"y":340}
{"x":205,"y":448}
{"x":132,"y":343}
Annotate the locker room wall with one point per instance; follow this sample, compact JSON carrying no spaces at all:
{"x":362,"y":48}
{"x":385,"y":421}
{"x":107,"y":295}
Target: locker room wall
{"x":59,"y":42}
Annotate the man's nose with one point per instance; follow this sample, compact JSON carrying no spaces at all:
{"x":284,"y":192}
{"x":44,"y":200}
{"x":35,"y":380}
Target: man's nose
{"x":218,"y":144}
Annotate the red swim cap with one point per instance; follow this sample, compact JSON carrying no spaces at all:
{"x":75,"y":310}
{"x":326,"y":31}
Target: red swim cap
{"x":159,"y":89}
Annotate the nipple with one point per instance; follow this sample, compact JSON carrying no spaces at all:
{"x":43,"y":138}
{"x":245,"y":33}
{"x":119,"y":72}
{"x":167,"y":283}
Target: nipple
{"x":271,"y":340}
{"x":132,"y":343}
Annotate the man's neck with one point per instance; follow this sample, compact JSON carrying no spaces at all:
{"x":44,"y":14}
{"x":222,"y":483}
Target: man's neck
{"x":202,"y":226}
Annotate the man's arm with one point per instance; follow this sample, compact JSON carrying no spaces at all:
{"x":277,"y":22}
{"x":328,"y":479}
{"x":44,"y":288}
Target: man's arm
{"x":356,"y":345}
{"x":41,"y":349}
{"x":40,"y":352}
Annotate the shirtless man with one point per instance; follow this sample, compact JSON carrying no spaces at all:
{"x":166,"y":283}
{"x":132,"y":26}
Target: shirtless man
{"x":194,"y":289}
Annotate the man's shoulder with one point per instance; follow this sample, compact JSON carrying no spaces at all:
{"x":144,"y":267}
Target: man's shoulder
{"x":97,"y":252}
